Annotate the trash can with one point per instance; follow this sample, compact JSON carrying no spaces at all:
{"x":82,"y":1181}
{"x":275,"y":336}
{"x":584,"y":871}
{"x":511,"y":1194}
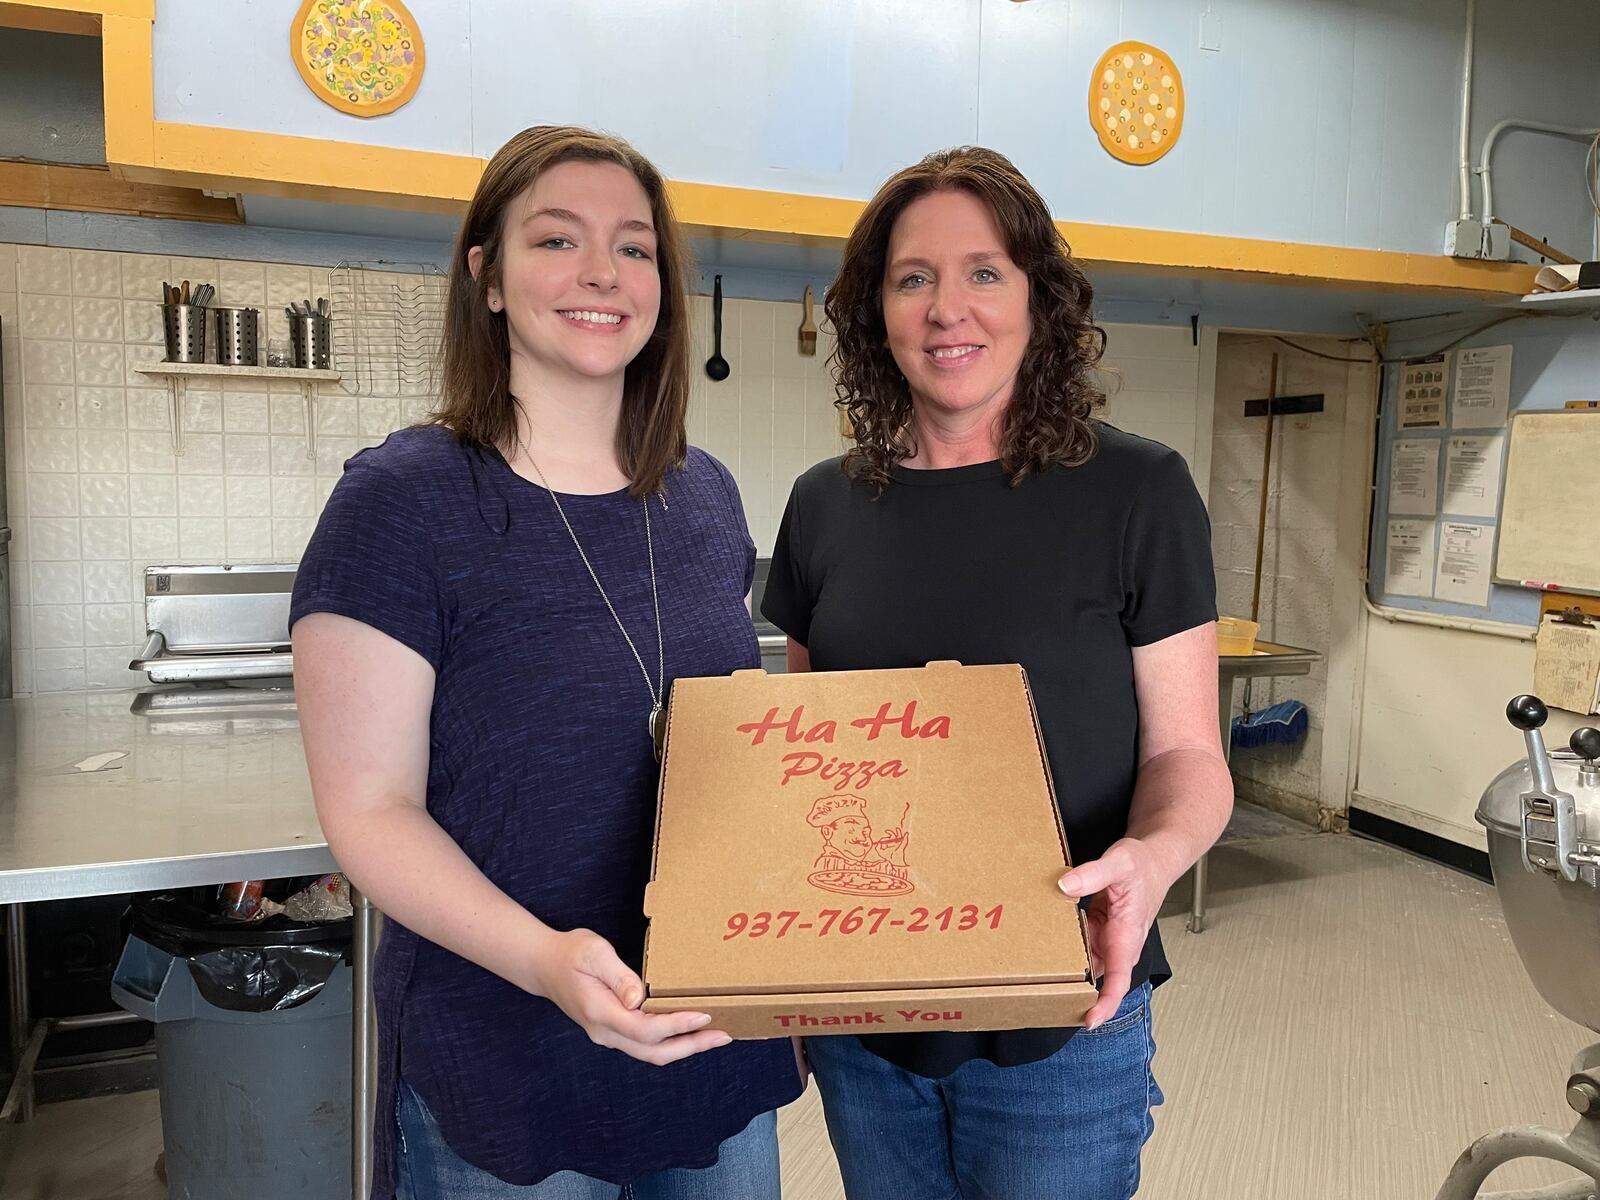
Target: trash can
{"x":252,"y":1049}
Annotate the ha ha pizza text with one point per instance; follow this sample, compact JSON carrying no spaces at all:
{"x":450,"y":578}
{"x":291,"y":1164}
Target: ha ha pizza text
{"x":891,"y":724}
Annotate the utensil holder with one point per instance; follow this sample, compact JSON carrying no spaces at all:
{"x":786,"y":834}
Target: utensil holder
{"x":184,"y":326}
{"x":236,"y":336}
{"x":311,"y":341}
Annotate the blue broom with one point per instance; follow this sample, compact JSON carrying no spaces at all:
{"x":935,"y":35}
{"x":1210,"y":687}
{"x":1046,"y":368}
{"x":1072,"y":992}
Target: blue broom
{"x":1283,"y":724}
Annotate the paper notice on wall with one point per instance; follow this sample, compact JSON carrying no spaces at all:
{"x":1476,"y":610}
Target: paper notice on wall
{"x":1408,"y":569}
{"x":1483,"y":388}
{"x":1414,"y":478}
{"x":1472,"y":475}
{"x":1422,"y":388}
{"x":1462,"y":573}
{"x":1566,"y":665}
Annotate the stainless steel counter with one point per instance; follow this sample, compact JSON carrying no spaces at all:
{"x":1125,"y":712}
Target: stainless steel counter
{"x":1269,"y":660}
{"x":196,"y":797}
{"x":193,"y":788}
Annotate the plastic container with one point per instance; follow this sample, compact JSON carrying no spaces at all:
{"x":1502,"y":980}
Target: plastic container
{"x":1236,"y":637}
{"x":252,"y":1049}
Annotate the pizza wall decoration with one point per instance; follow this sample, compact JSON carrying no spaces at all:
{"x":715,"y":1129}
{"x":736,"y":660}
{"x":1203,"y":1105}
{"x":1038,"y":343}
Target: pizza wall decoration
{"x":362,"y":57}
{"x":1136,"y":102}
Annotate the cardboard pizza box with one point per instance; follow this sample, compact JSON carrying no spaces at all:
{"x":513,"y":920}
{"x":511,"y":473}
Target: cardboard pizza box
{"x":861,"y":852}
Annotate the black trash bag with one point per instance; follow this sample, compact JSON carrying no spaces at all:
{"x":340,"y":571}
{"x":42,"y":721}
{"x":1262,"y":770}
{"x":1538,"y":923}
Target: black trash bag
{"x":263,"y":978}
{"x":266,"y":966}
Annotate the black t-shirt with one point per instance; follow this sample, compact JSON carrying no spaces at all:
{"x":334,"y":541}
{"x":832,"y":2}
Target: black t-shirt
{"x":1063,"y":574}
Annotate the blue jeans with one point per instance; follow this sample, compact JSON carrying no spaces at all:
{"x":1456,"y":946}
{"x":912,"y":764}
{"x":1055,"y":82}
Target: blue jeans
{"x":1069,"y":1127}
{"x":746,"y":1169}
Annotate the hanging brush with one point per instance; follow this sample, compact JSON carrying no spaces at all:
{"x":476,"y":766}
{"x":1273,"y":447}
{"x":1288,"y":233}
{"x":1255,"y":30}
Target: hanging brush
{"x":808,"y":329}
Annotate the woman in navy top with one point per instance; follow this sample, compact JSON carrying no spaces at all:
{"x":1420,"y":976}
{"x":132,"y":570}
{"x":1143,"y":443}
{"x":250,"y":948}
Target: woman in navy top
{"x":484,"y":624}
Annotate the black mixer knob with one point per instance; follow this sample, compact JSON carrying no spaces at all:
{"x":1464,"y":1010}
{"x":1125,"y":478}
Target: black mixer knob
{"x":1527,"y":712}
{"x":1585,"y":743}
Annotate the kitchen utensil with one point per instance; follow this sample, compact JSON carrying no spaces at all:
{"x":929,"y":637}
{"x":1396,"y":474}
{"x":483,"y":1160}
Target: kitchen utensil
{"x":236,"y":336}
{"x":808,"y":329}
{"x":203,"y":295}
{"x":168,"y":293}
{"x":716,"y":366}
{"x":183,"y":294}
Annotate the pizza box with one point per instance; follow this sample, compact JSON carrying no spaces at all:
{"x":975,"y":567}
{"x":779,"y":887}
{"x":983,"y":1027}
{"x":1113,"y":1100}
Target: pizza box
{"x":861,"y":852}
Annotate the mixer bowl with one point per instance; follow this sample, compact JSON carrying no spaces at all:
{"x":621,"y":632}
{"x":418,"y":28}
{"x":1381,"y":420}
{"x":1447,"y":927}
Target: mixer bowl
{"x":1555,"y":925}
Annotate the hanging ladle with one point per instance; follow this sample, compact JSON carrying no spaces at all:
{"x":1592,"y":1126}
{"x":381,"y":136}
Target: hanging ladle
{"x":717,"y":366}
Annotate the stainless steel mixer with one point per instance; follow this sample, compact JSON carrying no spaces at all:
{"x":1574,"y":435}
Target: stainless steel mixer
{"x":1543,"y":820}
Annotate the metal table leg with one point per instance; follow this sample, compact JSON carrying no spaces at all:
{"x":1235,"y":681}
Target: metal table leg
{"x":1197,"y":905}
{"x":363,"y":1046}
{"x":20,"y":1026}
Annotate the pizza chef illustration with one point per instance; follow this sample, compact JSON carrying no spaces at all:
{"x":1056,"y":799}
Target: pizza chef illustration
{"x":852,"y":861}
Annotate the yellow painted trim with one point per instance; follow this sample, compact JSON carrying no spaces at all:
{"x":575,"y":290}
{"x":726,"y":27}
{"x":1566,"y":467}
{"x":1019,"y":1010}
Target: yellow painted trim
{"x":143,"y":149}
{"x":280,"y":165}
{"x":128,"y":71}
{"x":142,"y":9}
{"x":746,"y":212}
{"x":1256,"y":259}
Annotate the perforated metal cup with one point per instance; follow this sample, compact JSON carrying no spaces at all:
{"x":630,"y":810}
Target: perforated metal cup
{"x":185,"y":328}
{"x":236,"y":336}
{"x":311,"y":341}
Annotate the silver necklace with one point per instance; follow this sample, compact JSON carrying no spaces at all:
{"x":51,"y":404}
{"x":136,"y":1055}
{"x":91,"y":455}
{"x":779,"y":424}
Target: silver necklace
{"x":657,"y":724}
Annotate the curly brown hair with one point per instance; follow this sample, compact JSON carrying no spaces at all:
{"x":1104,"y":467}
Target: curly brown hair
{"x":1049,"y":418}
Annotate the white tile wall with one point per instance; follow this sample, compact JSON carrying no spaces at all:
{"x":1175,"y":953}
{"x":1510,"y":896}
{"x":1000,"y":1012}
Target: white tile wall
{"x":1151,"y":376}
{"x":773,"y":416}
{"x":94,"y":488}
{"x":96,"y":492}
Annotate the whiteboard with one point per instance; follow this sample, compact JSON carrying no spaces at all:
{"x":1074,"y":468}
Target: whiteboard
{"x":1550,"y":509}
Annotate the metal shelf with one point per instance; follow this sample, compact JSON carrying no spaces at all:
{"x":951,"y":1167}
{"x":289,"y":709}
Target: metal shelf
{"x":1579,"y":300}
{"x":296,"y":374}
{"x":178,"y":376}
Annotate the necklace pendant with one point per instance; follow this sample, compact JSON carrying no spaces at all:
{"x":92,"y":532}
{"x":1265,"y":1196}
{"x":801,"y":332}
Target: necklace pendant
{"x":658,"y":729}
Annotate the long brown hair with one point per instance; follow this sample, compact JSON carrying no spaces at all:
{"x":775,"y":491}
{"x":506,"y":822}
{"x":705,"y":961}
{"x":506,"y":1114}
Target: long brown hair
{"x":1048,"y":420}
{"x":475,"y":398}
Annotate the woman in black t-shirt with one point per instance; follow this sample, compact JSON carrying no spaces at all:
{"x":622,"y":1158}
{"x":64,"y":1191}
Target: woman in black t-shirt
{"x":985,"y":515}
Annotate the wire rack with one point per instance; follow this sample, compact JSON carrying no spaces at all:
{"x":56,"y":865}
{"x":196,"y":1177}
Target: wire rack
{"x":388,"y":322}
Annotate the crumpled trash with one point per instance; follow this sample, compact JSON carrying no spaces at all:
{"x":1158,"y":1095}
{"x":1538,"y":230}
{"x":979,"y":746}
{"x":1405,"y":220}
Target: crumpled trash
{"x":247,"y":901}
{"x":325,"y":899}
